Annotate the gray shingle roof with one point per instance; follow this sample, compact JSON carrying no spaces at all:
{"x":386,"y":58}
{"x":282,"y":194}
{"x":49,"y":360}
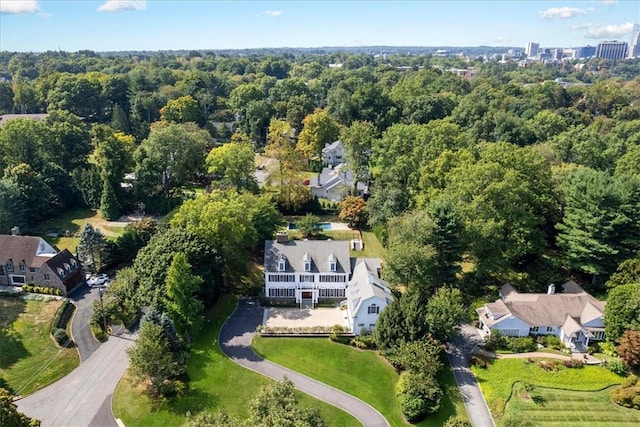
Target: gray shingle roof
{"x":319,"y":252}
{"x":365,"y":284}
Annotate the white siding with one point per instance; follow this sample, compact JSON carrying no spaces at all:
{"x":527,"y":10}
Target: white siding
{"x":512,"y":326}
{"x":363,"y":317}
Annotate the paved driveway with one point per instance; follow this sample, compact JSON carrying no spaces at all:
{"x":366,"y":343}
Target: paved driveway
{"x":235,"y":342}
{"x":83,"y":298}
{"x":458,"y":352}
{"x":83,"y":397}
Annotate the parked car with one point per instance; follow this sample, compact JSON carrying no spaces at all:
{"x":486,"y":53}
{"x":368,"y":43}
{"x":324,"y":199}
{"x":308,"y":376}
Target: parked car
{"x":98,"y":280}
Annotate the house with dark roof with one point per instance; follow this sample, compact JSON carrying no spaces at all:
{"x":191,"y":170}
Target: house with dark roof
{"x":308,"y":272}
{"x":31,"y":260}
{"x":566,"y":311}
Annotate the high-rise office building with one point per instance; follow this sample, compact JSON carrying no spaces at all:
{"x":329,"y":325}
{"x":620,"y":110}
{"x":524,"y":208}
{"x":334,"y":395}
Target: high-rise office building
{"x":587,"y":51}
{"x":532,"y":49}
{"x":612,"y":50}
{"x":634,"y":45}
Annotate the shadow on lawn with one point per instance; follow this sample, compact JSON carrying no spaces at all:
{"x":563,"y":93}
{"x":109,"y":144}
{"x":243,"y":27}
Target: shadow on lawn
{"x":12,"y":348}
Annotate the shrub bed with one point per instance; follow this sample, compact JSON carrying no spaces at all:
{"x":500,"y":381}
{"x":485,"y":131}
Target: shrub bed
{"x":62,"y":317}
{"x":47,"y":290}
{"x":628,"y":394}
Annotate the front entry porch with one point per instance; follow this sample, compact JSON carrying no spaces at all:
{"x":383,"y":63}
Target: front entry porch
{"x":307,"y":298}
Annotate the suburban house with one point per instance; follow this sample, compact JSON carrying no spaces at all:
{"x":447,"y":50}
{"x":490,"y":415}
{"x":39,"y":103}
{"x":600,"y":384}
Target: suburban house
{"x":8,"y":117}
{"x":566,"y":311}
{"x":367,"y":295}
{"x":332,"y":154}
{"x":31,"y":260}
{"x":308,"y":272}
{"x":335,"y":180}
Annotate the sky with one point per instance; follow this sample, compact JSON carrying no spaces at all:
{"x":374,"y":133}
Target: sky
{"x":112,"y":25}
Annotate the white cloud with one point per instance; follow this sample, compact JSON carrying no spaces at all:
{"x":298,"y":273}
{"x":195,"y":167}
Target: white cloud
{"x":119,"y":5}
{"x":19,"y":6}
{"x":272,"y":12}
{"x":609,"y":31}
{"x":582,"y":26}
{"x":609,"y":2}
{"x":564,"y":12}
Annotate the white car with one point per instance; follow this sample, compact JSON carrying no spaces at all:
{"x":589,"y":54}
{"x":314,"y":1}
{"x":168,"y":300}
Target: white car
{"x":98,"y":280}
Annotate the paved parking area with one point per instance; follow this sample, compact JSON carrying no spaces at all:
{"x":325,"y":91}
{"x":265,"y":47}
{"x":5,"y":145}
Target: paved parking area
{"x":304,"y":317}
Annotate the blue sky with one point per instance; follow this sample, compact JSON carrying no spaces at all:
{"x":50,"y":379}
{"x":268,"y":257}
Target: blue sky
{"x":30,"y":25}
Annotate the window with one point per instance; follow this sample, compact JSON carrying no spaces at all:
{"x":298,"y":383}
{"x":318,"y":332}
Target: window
{"x":598,"y":335}
{"x":510,"y":332}
{"x":332,"y":278}
{"x":549,"y":328}
{"x":32,"y":270}
{"x":361,"y":325}
{"x":332,"y":266}
{"x":373,"y":309}
{"x":534,"y":329}
{"x":46,"y":276}
{"x":1,"y":270}
{"x":67,"y":267}
{"x":306,"y":278}
{"x":22,"y":267}
{"x":307,"y":266}
{"x":332,"y":293}
{"x":372,"y":325}
{"x":9,"y":266}
{"x":282,"y":278}
{"x":74,"y":262}
{"x":281,"y":265}
{"x":282,"y":293}
{"x":60,"y":271}
{"x":18,"y":280}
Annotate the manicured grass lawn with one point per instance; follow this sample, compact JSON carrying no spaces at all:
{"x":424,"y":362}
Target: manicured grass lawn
{"x":363,"y":374}
{"x":29,"y":359}
{"x":497,"y":380}
{"x":563,"y":408}
{"x":372,"y":246}
{"x":216,"y":383}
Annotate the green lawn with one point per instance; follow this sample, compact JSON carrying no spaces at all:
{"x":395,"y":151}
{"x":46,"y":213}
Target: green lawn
{"x":363,"y":374}
{"x":372,"y":246}
{"x":497,"y":380}
{"x":29,"y":358}
{"x":548,"y":407}
{"x":216,"y":383}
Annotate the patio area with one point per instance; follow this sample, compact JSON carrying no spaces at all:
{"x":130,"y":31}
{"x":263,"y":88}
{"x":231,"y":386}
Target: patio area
{"x":303,"y":317}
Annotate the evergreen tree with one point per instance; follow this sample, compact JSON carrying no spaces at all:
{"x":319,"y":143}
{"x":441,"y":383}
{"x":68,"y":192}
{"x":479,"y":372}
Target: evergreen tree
{"x":445,"y":237}
{"x":390,"y":327}
{"x":91,"y":248}
{"x":182,"y":306}
{"x":109,"y":206}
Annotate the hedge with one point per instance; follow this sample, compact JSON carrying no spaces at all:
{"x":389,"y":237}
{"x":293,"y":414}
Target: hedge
{"x":48,"y":290}
{"x":63,"y":315}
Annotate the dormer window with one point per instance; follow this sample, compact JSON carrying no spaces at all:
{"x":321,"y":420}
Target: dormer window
{"x":60,"y":271}
{"x":281,"y":265}
{"x":67,"y":267}
{"x":332,"y":265}
{"x":10,"y":266}
{"x":307,"y":262}
{"x":22,"y":267}
{"x":74,"y":262}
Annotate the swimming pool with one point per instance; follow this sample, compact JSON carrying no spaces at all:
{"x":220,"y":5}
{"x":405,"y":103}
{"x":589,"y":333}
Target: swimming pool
{"x":321,"y":225}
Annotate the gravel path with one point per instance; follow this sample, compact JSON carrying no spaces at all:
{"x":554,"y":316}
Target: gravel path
{"x":235,"y":341}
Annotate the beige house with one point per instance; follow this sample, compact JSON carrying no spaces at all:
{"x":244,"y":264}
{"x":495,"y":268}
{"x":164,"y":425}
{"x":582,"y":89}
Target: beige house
{"x":566,"y":311}
{"x":31,"y":260}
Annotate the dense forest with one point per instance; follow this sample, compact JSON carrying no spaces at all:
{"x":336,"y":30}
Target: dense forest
{"x":528,"y":175}
{"x":539,"y":179}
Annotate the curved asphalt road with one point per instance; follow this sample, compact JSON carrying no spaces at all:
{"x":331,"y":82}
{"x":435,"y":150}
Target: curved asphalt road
{"x":235,"y":342}
{"x":83,"y":397}
{"x":458,"y":351}
{"x":83,"y":298}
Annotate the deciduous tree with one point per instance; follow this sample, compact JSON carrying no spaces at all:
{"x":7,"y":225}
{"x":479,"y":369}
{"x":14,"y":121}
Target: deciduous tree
{"x":353,"y":210}
{"x":181,"y":300}
{"x":629,"y":349}
{"x":233,"y":164}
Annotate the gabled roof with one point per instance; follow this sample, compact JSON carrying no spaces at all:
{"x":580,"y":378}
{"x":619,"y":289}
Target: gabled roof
{"x":319,"y":252}
{"x":33,"y":250}
{"x":551,"y":309}
{"x":332,"y":146}
{"x":59,"y":261}
{"x":366,"y":284}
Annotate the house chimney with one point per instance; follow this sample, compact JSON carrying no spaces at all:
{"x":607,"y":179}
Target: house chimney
{"x":15,"y":231}
{"x":551,"y":290}
{"x":282,"y":237}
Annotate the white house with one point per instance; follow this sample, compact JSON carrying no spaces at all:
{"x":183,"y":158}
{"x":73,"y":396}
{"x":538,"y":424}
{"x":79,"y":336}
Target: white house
{"x":306,"y":272}
{"x":566,"y":311}
{"x":367,"y":296}
{"x":334,"y":183}
{"x":332,"y":154}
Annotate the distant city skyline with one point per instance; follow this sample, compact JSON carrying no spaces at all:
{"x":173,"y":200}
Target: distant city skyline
{"x":117,"y":25}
